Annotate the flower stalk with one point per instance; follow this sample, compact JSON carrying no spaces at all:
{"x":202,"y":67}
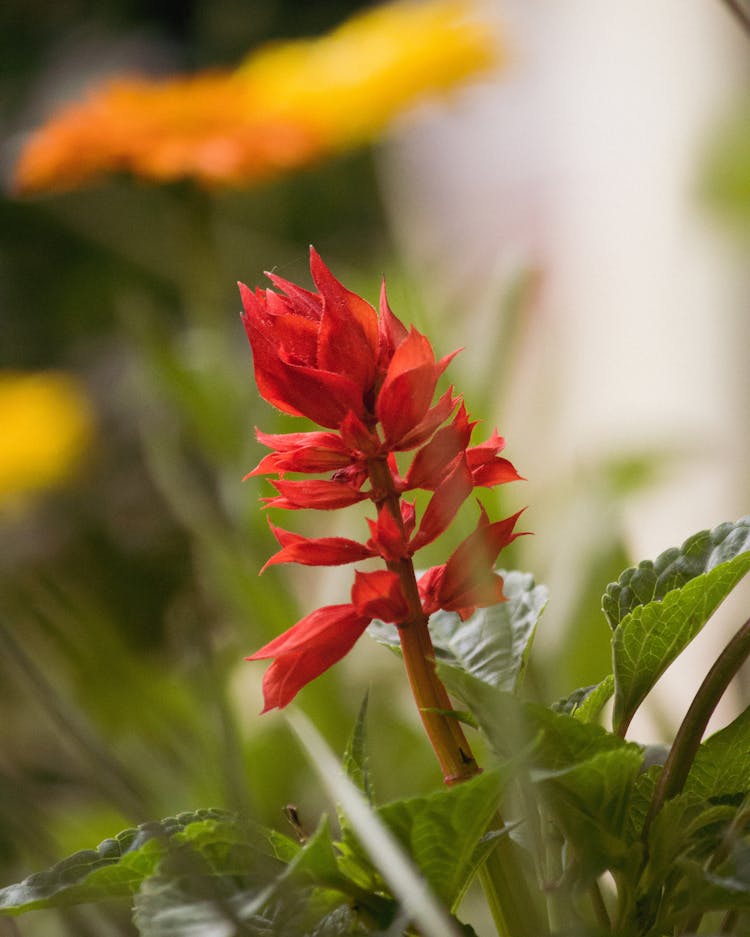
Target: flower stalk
{"x":687,"y":741}
{"x":444,"y":731}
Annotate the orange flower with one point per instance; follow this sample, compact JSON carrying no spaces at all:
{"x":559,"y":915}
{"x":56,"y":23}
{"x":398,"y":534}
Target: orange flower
{"x":286,"y":106}
{"x":207,"y":127}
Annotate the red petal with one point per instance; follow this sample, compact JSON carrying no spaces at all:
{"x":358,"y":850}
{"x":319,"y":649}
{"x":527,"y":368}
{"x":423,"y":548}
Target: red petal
{"x":307,"y":650}
{"x":432,"y":461}
{"x":485,"y":450}
{"x":321,"y":551}
{"x":429,"y":588}
{"x":378,"y":595}
{"x":408,"y":388}
{"x":300,"y":390}
{"x":430,"y":422}
{"x":469,"y":577}
{"x":391,"y":332}
{"x":288,"y":442}
{"x":304,"y":302}
{"x":389,"y":538}
{"x":444,"y":504}
{"x":356,"y":435}
{"x":304,"y":460}
{"x":321,"y":494}
{"x":348,"y":335}
{"x":496,"y":472}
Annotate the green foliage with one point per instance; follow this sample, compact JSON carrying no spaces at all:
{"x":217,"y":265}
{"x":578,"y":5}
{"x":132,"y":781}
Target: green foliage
{"x":658,"y":607}
{"x":441,"y":832}
{"x":355,"y":754}
{"x":722,"y":764}
{"x":116,"y":868}
{"x":586,"y":703}
{"x":582,"y":797}
{"x":652,"y":580}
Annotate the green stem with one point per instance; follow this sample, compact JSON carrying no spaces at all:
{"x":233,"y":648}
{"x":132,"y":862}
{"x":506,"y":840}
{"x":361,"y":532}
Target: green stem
{"x":513,"y":907}
{"x":690,"y":733}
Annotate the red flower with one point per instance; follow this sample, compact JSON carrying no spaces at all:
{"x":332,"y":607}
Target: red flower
{"x":329,"y":356}
{"x":320,"y":493}
{"x":315,"y":354}
{"x":320,"y":551}
{"x":307,"y":650}
{"x":468,"y":581}
{"x":408,"y":388}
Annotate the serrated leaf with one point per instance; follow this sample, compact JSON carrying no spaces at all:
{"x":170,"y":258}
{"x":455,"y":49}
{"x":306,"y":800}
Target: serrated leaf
{"x":206,"y":897}
{"x":722,"y":764}
{"x":441,"y":831}
{"x":116,"y":868}
{"x":651,"y":636}
{"x":652,"y":580}
{"x":493,"y":644}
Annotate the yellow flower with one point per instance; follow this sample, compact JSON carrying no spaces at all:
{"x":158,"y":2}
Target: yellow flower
{"x":46,"y":426}
{"x":351,"y":83}
{"x":288,"y":105}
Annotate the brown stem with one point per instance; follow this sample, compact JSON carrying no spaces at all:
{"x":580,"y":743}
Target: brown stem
{"x":690,"y":733}
{"x":514,"y":908}
{"x":444,"y":732}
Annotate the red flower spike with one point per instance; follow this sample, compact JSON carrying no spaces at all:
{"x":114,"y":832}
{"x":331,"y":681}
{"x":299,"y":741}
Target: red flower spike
{"x":307,"y":650}
{"x":444,"y":504}
{"x":378,"y":595}
{"x":321,"y":551}
{"x":321,"y":494}
{"x":329,"y":356}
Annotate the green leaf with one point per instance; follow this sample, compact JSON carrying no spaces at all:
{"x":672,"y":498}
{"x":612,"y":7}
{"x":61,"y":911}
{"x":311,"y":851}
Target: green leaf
{"x":494,"y":643}
{"x":114,"y":869}
{"x":685,"y":827}
{"x":722,"y":764}
{"x":585,"y":773}
{"x":196,"y":895}
{"x":355,"y":754}
{"x":681,"y":590}
{"x":442,"y":831}
{"x":652,"y":580}
{"x":586,"y":704}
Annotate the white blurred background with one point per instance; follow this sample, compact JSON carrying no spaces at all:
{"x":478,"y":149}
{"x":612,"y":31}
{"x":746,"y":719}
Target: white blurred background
{"x":578,"y":170}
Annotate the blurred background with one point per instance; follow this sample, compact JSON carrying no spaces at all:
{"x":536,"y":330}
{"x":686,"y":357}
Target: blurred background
{"x":573,"y":209}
